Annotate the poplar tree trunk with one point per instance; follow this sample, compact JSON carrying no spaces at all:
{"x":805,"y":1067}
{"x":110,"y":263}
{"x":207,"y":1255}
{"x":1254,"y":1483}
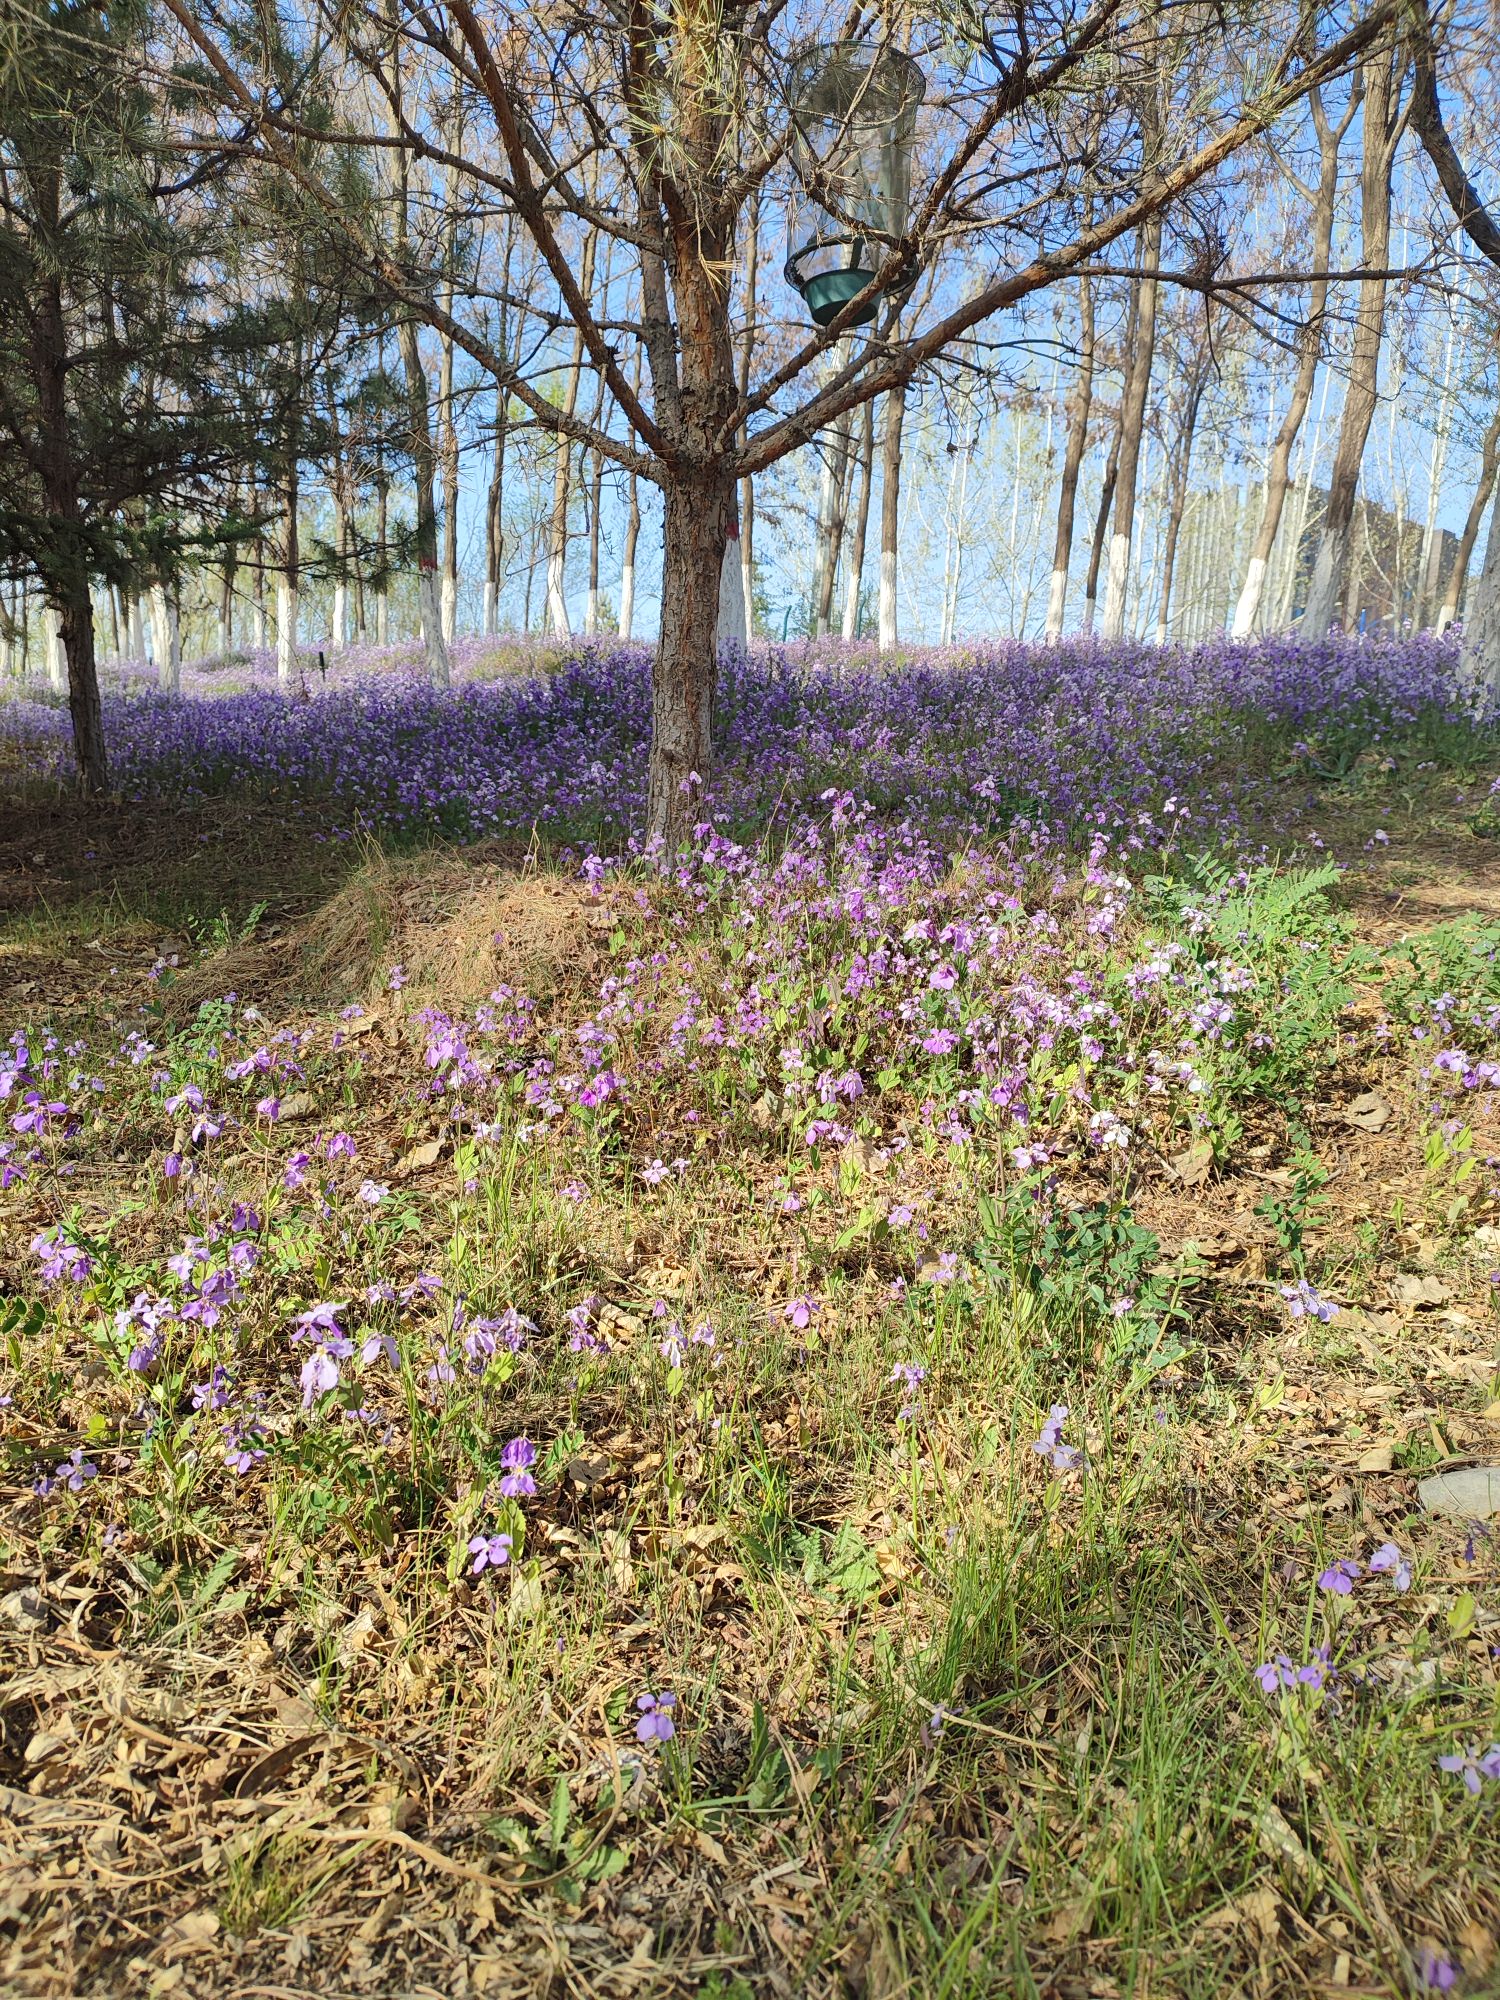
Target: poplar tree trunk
{"x":1481,"y":654}
{"x":866,"y":471}
{"x":733,"y":626}
{"x":627,"y":566}
{"x":890,"y":516}
{"x":382,"y":531}
{"x":166,"y":634}
{"x":53,"y":649}
{"x":136,"y":634}
{"x":424,"y":472}
{"x":1078,"y":436}
{"x":494,"y":543}
{"x":1309,"y":354}
{"x":287,"y":580}
{"x":596,"y":497}
{"x":1101,"y":528}
{"x":1132,"y":424}
{"x":448,"y":434}
{"x":831,"y":523}
{"x":559,"y":623}
{"x":1381,"y":129}
{"x":1177,"y":496}
{"x":1463,"y":555}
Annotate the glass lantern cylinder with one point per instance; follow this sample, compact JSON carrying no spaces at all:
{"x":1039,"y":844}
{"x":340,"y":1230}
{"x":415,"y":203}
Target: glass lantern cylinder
{"x":854,"y":114}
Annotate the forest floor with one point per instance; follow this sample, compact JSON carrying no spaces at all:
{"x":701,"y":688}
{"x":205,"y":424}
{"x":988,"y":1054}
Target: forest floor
{"x":492,"y":1509}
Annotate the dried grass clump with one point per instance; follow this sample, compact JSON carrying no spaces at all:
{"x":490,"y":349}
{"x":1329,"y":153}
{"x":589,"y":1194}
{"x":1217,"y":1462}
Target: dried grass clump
{"x":458,"y":924}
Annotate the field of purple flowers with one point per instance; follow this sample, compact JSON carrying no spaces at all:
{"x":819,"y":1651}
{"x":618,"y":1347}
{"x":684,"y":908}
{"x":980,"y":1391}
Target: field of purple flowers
{"x":843,"y":1420}
{"x":949,"y":741}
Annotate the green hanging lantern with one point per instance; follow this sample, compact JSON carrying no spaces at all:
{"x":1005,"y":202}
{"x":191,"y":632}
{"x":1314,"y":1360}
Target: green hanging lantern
{"x":854,"y":115}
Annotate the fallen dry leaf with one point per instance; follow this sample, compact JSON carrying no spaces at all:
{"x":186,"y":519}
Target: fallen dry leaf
{"x":1369,"y":1112}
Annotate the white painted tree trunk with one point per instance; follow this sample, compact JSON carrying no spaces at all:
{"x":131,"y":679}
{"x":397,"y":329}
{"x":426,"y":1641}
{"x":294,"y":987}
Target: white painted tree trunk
{"x":1247,"y":608}
{"x":166,"y":638}
{"x":286,"y":630}
{"x":733,"y":626}
{"x":338,"y":637}
{"x":448,"y":609}
{"x":434,"y":646}
{"x":627,"y":598}
{"x":559,"y":624}
{"x":52,"y":648}
{"x":887,"y":613}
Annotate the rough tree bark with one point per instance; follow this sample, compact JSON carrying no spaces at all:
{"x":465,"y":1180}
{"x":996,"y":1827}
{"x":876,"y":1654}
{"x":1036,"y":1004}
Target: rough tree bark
{"x":67,"y":587}
{"x":1382,"y":128}
{"x":1309,"y":353}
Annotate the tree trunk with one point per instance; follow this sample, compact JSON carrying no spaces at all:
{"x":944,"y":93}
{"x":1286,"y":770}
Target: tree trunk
{"x":1481,"y":654}
{"x":166,"y":633}
{"x":831,"y":517}
{"x":136,"y":633}
{"x":1078,"y":437}
{"x":733,"y":621}
{"x":1101,"y":528}
{"x":1381,"y":129}
{"x":1309,"y":354}
{"x":382,"y":532}
{"x":424,"y":472}
{"x":69,"y":600}
{"x":494,"y":540}
{"x":694,"y":536}
{"x":861,"y":521}
{"x":288,"y":579}
{"x":1177,"y":494}
{"x":627,"y":566}
{"x":76,"y":628}
{"x":1430,"y":558}
{"x":596,"y":503}
{"x":890,"y":516}
{"x":1132,"y":425}
{"x":448,"y":432}
{"x":1453,"y":593}
{"x":226,"y":606}
{"x":54,"y":652}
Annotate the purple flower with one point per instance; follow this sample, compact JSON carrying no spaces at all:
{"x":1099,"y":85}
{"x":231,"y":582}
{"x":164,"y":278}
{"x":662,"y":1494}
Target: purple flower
{"x":1388,"y":1560}
{"x":1302,"y":1299}
{"x":376,"y":1346}
{"x":801,"y":1312}
{"x":243,"y":1449}
{"x":1340,"y":1577}
{"x":1475,"y":1768}
{"x":372,"y":1192}
{"x":1438,"y":1972}
{"x":1065,"y":1457}
{"x":320,"y":1373}
{"x":489,"y":1552}
{"x":518,"y":1458}
{"x":655,"y":1724}
{"x":75,"y":1472}
{"x":341,"y":1147}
